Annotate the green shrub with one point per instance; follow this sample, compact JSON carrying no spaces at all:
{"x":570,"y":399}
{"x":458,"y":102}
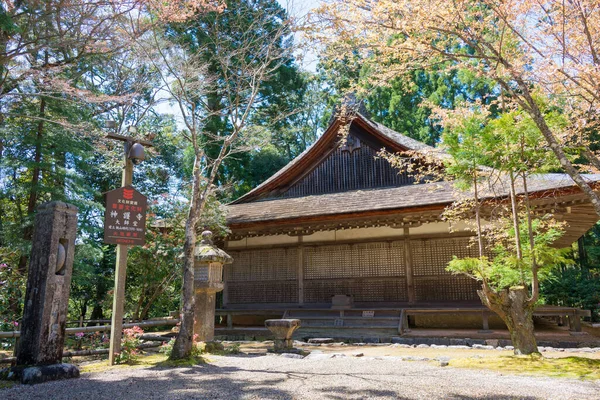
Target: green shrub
{"x":129,"y":346}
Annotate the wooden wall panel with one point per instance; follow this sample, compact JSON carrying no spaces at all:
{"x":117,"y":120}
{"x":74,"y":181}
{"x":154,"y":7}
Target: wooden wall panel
{"x":370,"y":272}
{"x":361,"y":260}
{"x":432,"y":282}
{"x":263,"y":276}
{"x":347,"y":170}
{"x":363,"y":290}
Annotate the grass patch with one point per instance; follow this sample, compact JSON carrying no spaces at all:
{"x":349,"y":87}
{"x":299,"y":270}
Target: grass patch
{"x":7,"y":384}
{"x":152,"y":360}
{"x":566,"y":367}
{"x":144,"y":361}
{"x":186,"y":362}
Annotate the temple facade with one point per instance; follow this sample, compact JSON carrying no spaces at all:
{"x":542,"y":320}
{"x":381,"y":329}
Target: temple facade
{"x":339,"y":220}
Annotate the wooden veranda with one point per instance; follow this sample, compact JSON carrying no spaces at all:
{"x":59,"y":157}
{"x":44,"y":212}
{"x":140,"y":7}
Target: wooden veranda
{"x":396,"y":318}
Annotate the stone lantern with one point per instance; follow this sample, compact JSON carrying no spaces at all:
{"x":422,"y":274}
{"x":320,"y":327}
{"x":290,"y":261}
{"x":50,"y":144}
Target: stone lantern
{"x":208,"y":280}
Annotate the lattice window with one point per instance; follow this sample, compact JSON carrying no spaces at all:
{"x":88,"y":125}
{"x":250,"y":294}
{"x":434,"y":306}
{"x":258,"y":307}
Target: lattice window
{"x":263,"y":276}
{"x":263,"y":264}
{"x":327,"y":262}
{"x":447,"y":288}
{"x":262,"y":292}
{"x":431,"y":256}
{"x":239,"y":270}
{"x":354,"y":260}
{"x":363,"y":290}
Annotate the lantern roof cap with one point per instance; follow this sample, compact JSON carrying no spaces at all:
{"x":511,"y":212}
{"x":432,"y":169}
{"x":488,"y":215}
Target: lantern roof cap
{"x":207,"y":252}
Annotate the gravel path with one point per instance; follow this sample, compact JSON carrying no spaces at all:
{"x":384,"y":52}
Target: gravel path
{"x":276,"y":377}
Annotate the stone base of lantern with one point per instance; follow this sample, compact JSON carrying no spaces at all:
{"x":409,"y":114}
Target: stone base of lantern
{"x":204,"y":313}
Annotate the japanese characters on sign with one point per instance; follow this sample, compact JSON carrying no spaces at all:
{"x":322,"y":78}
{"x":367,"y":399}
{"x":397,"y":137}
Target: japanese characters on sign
{"x":125,"y":217}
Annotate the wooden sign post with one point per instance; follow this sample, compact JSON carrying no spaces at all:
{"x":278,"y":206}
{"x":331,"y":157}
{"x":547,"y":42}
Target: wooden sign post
{"x":124,"y":225}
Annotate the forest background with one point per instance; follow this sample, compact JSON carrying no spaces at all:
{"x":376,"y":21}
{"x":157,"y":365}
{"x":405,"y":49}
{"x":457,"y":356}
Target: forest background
{"x":61,"y":92}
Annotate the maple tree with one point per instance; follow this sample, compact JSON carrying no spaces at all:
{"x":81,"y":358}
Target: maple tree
{"x":542,"y":55}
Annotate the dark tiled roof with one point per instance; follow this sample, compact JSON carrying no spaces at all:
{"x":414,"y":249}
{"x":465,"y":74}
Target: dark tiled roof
{"x":396,"y":198}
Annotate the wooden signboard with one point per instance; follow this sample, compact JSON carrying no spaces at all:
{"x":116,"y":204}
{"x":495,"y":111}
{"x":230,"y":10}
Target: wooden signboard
{"x":125,"y":217}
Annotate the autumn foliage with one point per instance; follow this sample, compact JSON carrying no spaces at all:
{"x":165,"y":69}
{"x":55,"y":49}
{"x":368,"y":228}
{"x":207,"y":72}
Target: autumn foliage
{"x":541,"y":55}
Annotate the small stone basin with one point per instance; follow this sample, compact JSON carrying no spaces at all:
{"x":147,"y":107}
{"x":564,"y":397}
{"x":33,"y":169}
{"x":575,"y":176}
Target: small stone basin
{"x":283,"y":329}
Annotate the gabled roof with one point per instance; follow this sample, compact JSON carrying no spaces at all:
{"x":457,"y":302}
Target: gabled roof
{"x":396,"y":199}
{"x":324,"y":145}
{"x":262,"y":211}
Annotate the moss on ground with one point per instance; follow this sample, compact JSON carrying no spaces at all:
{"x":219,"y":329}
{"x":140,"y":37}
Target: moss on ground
{"x":565,"y":367}
{"x":187,"y":362}
{"x":101,"y":366}
{"x":7,"y":384}
{"x":151,"y":360}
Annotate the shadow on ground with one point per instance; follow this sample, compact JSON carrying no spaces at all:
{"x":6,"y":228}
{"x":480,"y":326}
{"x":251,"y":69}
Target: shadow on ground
{"x":270,"y":379}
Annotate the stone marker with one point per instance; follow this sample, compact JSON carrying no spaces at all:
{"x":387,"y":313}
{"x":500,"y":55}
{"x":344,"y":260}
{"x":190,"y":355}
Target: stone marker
{"x":208,"y":280}
{"x":48,"y":286}
{"x":282,"y":330}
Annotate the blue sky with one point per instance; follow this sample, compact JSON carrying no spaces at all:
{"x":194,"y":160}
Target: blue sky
{"x":299,"y":9}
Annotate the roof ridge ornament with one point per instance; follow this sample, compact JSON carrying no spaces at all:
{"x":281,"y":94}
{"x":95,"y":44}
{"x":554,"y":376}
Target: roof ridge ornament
{"x":207,"y":237}
{"x":348,"y":108}
{"x":352,"y":143}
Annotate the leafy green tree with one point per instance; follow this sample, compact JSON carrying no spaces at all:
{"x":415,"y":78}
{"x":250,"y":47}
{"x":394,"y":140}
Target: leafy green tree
{"x":217,"y":81}
{"x":520,"y":251}
{"x":405,"y":104}
{"x":577,"y":284}
{"x":235,"y":33}
{"x":286,"y":140}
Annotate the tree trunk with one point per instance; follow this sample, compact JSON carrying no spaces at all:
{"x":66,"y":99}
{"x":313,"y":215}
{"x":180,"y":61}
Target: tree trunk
{"x":535,"y":282}
{"x":478,"y":218}
{"x":185,"y":338}
{"x":96,"y":314}
{"x":34,"y":189}
{"x":157,"y":292}
{"x":515,"y":309}
{"x":557,"y":148}
{"x":581,"y":253}
{"x":515,"y":216}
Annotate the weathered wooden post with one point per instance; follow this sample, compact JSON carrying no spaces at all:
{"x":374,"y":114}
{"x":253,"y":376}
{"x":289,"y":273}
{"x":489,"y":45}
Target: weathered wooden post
{"x":208,"y":280}
{"x":120,"y":230}
{"x":47,"y":296}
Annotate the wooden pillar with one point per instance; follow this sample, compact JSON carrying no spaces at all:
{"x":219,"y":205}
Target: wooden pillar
{"x":485,"y":322}
{"x":403,"y":325}
{"x":575,"y":321}
{"x":410,"y":284}
{"x":225,"y":293}
{"x":225,"y":285}
{"x":300,"y":272}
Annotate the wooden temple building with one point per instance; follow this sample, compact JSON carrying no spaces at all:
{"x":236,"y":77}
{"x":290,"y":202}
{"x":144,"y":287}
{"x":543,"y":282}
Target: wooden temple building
{"x":338,"y":220}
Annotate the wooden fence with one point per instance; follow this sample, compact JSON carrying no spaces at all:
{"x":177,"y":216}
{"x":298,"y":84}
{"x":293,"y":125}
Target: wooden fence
{"x":100,"y":328}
